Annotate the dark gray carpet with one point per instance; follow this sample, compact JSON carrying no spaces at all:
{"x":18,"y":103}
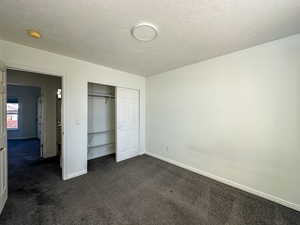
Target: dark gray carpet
{"x":142,"y":190}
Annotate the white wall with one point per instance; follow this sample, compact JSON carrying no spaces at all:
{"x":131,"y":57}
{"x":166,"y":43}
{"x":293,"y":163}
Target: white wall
{"x":27,"y":98}
{"x":235,"y":118}
{"x":76,"y":74}
{"x":49,"y":86}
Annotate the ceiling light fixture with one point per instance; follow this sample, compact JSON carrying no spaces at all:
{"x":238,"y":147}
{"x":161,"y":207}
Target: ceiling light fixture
{"x":144,"y":32}
{"x":34,"y":34}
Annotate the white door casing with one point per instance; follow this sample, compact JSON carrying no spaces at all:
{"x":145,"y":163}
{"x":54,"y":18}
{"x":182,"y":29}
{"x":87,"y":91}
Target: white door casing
{"x":127,"y":123}
{"x":3,"y":139}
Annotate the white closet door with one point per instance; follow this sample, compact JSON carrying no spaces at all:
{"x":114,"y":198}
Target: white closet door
{"x":3,"y":144}
{"x":127,"y":123}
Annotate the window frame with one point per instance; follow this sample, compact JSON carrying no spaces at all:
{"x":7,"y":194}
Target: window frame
{"x":18,"y":114}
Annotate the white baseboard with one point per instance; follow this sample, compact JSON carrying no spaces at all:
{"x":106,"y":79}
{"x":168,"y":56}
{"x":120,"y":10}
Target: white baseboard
{"x":4,"y":198}
{"x":76,"y":174}
{"x":230,"y":183}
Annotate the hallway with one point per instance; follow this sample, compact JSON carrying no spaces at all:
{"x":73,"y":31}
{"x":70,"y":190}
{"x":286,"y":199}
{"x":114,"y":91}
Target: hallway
{"x":22,"y":153}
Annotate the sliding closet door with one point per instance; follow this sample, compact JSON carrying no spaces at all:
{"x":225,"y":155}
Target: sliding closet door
{"x":127,"y":123}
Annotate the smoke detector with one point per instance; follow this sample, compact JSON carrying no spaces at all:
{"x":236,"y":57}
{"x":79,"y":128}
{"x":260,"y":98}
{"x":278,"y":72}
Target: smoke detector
{"x":144,"y":32}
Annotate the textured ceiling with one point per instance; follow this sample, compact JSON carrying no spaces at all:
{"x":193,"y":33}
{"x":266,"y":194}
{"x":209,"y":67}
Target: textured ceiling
{"x":189,"y":30}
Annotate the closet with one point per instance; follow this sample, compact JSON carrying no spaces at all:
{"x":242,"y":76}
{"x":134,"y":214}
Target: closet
{"x":101,"y":120}
{"x":113,"y":122}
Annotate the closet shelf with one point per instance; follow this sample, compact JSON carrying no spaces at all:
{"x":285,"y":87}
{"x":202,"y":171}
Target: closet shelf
{"x":101,"y":95}
{"x":101,"y":132}
{"x":102,"y":145}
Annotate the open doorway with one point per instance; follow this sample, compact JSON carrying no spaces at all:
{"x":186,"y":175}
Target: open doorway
{"x":101,"y":121}
{"x":33,"y":121}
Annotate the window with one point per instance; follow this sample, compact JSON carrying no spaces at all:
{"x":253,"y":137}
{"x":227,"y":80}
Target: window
{"x":12,"y":116}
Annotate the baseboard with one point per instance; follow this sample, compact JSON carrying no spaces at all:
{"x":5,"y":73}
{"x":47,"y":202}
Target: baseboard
{"x":72,"y":175}
{"x":47,"y":156}
{"x":2,"y":203}
{"x":230,"y":183}
{"x":21,"y":138}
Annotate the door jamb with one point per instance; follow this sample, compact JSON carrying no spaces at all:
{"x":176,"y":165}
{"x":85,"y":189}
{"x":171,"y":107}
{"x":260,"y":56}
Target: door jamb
{"x":63,"y":119}
{"x":3,"y":68}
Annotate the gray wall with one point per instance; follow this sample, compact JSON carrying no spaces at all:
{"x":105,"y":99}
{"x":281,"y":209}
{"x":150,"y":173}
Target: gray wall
{"x":49,"y":86}
{"x":27,"y":99}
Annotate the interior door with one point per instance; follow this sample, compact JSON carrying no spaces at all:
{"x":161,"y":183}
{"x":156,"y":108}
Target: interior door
{"x":127,"y":123}
{"x":3,"y":141}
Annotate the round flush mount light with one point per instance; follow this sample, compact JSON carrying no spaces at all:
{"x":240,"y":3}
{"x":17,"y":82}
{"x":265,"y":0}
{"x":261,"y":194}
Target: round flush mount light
{"x":144,"y":32}
{"x":34,"y":34}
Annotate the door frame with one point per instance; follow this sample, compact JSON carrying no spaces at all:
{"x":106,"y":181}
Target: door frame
{"x":41,"y":131}
{"x":4,"y":192}
{"x":40,"y":71}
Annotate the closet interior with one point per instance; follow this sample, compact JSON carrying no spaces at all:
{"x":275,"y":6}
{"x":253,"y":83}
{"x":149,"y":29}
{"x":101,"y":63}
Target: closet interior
{"x":101,"y":120}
